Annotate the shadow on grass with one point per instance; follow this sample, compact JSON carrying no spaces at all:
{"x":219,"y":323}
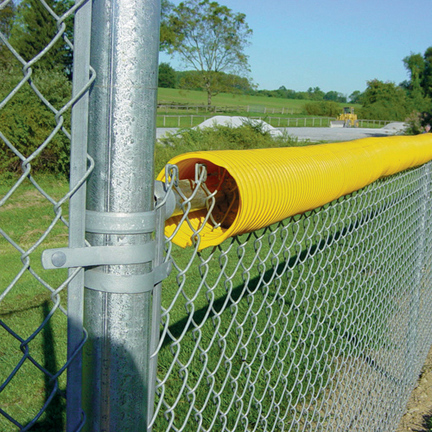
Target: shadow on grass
{"x":176,"y":329}
{"x":428,"y":421}
{"x":53,"y":418}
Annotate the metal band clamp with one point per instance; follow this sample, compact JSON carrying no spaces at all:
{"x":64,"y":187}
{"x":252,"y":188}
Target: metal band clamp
{"x":112,"y":223}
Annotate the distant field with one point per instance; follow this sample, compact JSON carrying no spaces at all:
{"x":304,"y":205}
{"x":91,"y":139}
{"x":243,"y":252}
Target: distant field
{"x":167,"y":96}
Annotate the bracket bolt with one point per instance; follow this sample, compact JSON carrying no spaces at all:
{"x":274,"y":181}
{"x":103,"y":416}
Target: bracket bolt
{"x":58,"y":259}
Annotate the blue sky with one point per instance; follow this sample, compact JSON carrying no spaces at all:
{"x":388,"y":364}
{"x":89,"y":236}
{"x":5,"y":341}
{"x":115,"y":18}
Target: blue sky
{"x":333,"y":44}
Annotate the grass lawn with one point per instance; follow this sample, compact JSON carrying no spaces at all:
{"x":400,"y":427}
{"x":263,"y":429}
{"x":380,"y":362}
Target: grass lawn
{"x":191,"y":97}
{"x":25,"y":217}
{"x":26,"y":301}
{"x":257,"y":328}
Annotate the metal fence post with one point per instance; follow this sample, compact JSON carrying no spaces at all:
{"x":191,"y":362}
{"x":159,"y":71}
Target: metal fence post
{"x":120,"y":212}
{"x":79,"y":131}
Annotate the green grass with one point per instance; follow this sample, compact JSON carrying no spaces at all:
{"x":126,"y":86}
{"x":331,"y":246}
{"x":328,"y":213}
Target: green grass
{"x":190,"y":97}
{"x":262,"y":309}
{"x":25,"y":217}
{"x":277,"y":112}
{"x":257,"y":304}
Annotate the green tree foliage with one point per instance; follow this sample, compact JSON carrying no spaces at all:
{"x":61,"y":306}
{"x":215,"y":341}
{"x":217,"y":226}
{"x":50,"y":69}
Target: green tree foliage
{"x":221,"y":82}
{"x":416,"y":67}
{"x":427,"y":76}
{"x":7,"y":16}
{"x":167,"y":34}
{"x":283,"y":92}
{"x":167,"y":76}
{"x":210,"y":38}
{"x":315,"y":93}
{"x":35,"y":27}
{"x":335,"y":97}
{"x":312,"y":93}
{"x":26,"y":122}
{"x":355,"y":97}
{"x":419,"y":84}
{"x":384,"y":101}
{"x":322,"y":108}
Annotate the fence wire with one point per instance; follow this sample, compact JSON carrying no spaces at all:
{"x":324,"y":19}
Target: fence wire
{"x":33,"y":217}
{"x":320,"y":322}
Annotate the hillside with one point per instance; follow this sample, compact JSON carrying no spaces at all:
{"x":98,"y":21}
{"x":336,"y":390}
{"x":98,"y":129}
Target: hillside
{"x":190,"y":97}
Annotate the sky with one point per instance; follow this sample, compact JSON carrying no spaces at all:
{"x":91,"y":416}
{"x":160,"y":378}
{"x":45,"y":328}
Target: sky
{"x":332,"y":44}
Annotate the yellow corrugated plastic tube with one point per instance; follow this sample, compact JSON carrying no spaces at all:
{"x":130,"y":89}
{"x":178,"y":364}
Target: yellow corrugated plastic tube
{"x":276,"y":183}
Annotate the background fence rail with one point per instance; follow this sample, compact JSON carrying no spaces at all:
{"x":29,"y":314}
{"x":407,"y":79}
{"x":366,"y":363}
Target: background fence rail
{"x":190,"y":120}
{"x":166,"y":108}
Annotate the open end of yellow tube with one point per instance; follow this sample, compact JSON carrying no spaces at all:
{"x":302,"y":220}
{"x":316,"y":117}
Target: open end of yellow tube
{"x":212,"y":230}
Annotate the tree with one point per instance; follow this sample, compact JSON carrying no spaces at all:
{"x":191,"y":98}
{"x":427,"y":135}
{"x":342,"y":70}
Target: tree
{"x":26,"y":122}
{"x":7,"y":16}
{"x":384,"y":101}
{"x":315,"y":93}
{"x":167,"y":76}
{"x":416,"y":66}
{"x":210,"y":38}
{"x":427,"y":77}
{"x":167,"y":35}
{"x":221,"y":82}
{"x":335,"y":96}
{"x":34,"y":28}
{"x":419,"y":90}
{"x":322,"y":108}
{"x":355,"y":97}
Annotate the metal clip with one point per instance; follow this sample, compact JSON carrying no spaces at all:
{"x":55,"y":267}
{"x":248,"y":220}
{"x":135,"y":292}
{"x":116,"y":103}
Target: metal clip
{"x":117,"y":224}
{"x":97,"y":255}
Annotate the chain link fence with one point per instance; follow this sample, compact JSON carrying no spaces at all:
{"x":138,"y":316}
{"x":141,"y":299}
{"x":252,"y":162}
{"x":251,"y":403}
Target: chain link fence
{"x":319,"y":322}
{"x":38,"y":343}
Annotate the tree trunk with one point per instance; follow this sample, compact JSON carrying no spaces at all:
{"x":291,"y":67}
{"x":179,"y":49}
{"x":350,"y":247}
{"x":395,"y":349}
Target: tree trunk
{"x":209,"y":97}
{"x":208,"y":89}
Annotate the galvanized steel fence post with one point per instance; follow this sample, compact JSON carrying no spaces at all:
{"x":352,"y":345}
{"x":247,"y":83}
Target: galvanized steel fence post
{"x":120,"y":213}
{"x":79,"y":131}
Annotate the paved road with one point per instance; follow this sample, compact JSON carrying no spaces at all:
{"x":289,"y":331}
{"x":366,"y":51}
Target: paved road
{"x":336,"y":134}
{"x":319,"y":134}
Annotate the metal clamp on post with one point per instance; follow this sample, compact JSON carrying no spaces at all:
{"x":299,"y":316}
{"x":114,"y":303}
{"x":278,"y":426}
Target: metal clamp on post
{"x":117,"y":224}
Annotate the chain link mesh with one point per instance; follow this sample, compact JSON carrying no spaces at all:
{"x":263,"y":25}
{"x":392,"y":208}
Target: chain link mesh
{"x":33,"y":217}
{"x":320,"y":322}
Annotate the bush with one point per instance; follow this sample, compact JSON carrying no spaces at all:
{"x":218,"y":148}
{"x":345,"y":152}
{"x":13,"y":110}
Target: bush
{"x":166,"y":76}
{"x":416,"y":122}
{"x":248,"y":136}
{"x":383,"y":111}
{"x":323,"y":108}
{"x":26,"y":123}
{"x":384,"y":101}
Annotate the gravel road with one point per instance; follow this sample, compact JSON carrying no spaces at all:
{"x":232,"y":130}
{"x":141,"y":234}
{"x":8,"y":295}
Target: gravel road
{"x":324,"y":134}
{"x":336,"y":134}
